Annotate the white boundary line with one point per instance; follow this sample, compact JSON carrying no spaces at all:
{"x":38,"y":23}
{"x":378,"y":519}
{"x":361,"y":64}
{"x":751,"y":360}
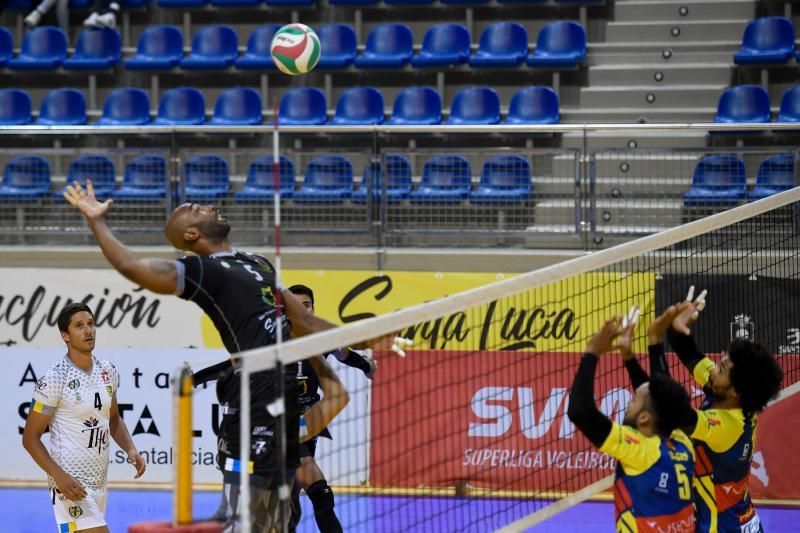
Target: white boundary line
{"x":304,"y":347}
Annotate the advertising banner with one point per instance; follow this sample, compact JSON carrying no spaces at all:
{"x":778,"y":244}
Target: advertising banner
{"x":145,"y":403}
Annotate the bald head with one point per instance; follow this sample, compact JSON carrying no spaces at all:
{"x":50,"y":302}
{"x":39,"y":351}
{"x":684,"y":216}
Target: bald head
{"x":196,"y":228}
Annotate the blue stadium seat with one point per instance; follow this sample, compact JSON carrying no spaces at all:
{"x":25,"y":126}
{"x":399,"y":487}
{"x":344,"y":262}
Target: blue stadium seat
{"x":260,"y":184}
{"x":238,"y":106}
{"x":290,"y":3}
{"x":126,"y":107}
{"x":15,"y":107}
{"x":6,"y":46}
{"x":790,"y":105}
{"x":257,"y":56}
{"x":182,"y":106}
{"x":559,"y":44}
{"x":24,"y":5}
{"x":506,"y":179}
{"x":25,"y":179}
{"x":80,"y":4}
{"x":214,"y":47}
{"x":207,"y":179}
{"x":388,"y":46}
{"x":766,"y":41}
{"x":96,"y":49}
{"x":235,"y":3}
{"x":159,"y":48}
{"x":97,"y":168}
{"x":444,"y":44}
{"x":775,"y":174}
{"x":533,"y":105}
{"x":304,"y":106}
{"x":719,"y":180}
{"x":417,"y":105}
{"x":145,"y":180}
{"x":328,"y":180}
{"x":62,"y":107}
{"x":359,"y":106}
{"x":743,"y":103}
{"x":134,"y":4}
{"x":353,"y":2}
{"x":338,"y":43}
{"x":43,"y":48}
{"x":475,"y":105}
{"x":503,"y":44}
{"x":397,"y":176}
{"x":446,"y":180}
{"x":181,"y":3}
{"x":465,"y":1}
{"x":407,"y":2}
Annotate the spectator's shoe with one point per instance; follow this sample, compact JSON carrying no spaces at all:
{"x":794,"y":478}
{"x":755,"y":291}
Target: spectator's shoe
{"x":33,"y":18}
{"x":91,"y":20}
{"x":107,"y":20}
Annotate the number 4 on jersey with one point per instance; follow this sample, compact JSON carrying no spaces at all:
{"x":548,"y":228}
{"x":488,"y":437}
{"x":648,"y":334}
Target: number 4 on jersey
{"x":98,"y":404}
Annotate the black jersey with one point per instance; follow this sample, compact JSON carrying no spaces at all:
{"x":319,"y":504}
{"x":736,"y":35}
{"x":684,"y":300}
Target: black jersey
{"x":237,"y":292}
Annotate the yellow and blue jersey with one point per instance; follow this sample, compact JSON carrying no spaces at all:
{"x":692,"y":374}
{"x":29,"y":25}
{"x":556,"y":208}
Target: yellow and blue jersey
{"x":653,"y":485}
{"x":724,"y":441}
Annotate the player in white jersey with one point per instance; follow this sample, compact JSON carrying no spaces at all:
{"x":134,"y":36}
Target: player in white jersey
{"x":77,"y":398}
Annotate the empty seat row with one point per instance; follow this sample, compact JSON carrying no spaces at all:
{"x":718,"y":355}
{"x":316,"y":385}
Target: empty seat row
{"x":45,"y":48}
{"x":720,"y":180}
{"x":767,"y":41}
{"x":750,"y":103}
{"x":299,"y":107}
{"x":328,"y":179}
{"x":216,"y":47}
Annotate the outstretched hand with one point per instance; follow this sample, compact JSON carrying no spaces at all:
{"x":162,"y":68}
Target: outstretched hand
{"x":391,"y":342}
{"x":625,"y":340}
{"x":86,"y":202}
{"x":689,"y":312}
{"x":603,"y":341}
{"x":659,"y":326}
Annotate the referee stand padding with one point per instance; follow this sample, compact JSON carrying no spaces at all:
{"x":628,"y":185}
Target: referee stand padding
{"x":165,"y":526}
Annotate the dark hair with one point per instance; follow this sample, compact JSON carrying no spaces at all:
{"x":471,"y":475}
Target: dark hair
{"x":302,"y":289}
{"x":66,"y":313}
{"x":755,"y":375}
{"x":669,"y":402}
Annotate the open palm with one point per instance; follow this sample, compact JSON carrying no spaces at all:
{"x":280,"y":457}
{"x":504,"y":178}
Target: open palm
{"x":85,"y":201}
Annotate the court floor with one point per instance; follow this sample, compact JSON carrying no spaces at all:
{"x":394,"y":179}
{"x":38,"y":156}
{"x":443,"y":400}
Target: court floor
{"x":29,"y":511}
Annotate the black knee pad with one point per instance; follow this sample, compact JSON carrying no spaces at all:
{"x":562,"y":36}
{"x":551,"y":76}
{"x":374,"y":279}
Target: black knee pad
{"x":321,"y":496}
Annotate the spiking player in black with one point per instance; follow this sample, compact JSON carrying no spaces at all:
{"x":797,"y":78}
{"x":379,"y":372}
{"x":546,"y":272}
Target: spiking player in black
{"x":309,"y":476}
{"x":238,"y":292}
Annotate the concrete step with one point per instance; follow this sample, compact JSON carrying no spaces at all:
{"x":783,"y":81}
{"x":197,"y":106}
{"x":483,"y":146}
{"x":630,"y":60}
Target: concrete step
{"x":549,"y":188}
{"x":660,"y":73}
{"x":556,"y":211}
{"x":662,"y":54}
{"x":642,"y":213}
{"x":626,"y":166}
{"x":668,"y":139}
{"x":641,"y":189}
{"x":682,"y":10}
{"x":662,"y":31}
{"x":656,"y":96}
{"x":637,"y":115}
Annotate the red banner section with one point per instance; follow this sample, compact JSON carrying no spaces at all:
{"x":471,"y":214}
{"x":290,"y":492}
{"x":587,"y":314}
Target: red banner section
{"x":498,"y":420}
{"x":776,"y":464}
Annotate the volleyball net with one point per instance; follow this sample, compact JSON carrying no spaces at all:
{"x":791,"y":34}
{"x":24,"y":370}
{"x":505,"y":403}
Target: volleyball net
{"x":469,"y":429}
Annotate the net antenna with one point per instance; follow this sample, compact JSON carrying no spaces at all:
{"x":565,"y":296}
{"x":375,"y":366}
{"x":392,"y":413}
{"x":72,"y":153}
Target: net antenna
{"x":428,"y":425}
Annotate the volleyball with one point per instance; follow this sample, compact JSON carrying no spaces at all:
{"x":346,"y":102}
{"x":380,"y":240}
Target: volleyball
{"x":295,"y":49}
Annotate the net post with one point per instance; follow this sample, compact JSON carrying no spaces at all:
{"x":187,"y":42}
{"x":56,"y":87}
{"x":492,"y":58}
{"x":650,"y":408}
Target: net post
{"x":182,"y":405}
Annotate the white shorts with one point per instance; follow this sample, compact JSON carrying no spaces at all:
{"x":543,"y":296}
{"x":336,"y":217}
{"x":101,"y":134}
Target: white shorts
{"x":75,"y":516}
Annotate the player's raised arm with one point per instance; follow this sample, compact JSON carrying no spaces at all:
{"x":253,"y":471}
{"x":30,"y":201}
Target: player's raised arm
{"x":334,"y":400}
{"x":157,"y":275}
{"x":680,"y":337}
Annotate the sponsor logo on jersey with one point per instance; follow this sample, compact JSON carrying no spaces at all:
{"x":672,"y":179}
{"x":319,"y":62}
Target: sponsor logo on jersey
{"x":108,"y":390}
{"x":75,"y":511}
{"x":74,"y":384}
{"x":630,"y":439}
{"x":104,"y":375}
{"x":41,"y":384}
{"x":713,"y":422}
{"x":98,"y":435}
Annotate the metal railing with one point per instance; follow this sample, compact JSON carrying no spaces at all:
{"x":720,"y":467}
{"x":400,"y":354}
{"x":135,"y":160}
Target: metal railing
{"x":393,"y":185}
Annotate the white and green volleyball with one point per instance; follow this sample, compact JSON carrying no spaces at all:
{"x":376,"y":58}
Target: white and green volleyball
{"x":295,"y":49}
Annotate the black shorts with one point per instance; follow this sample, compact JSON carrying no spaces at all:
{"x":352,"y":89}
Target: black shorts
{"x":307,"y":448}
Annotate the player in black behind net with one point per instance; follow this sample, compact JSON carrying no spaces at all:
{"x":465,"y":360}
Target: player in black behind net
{"x":238,"y":293}
{"x":309,"y":476}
